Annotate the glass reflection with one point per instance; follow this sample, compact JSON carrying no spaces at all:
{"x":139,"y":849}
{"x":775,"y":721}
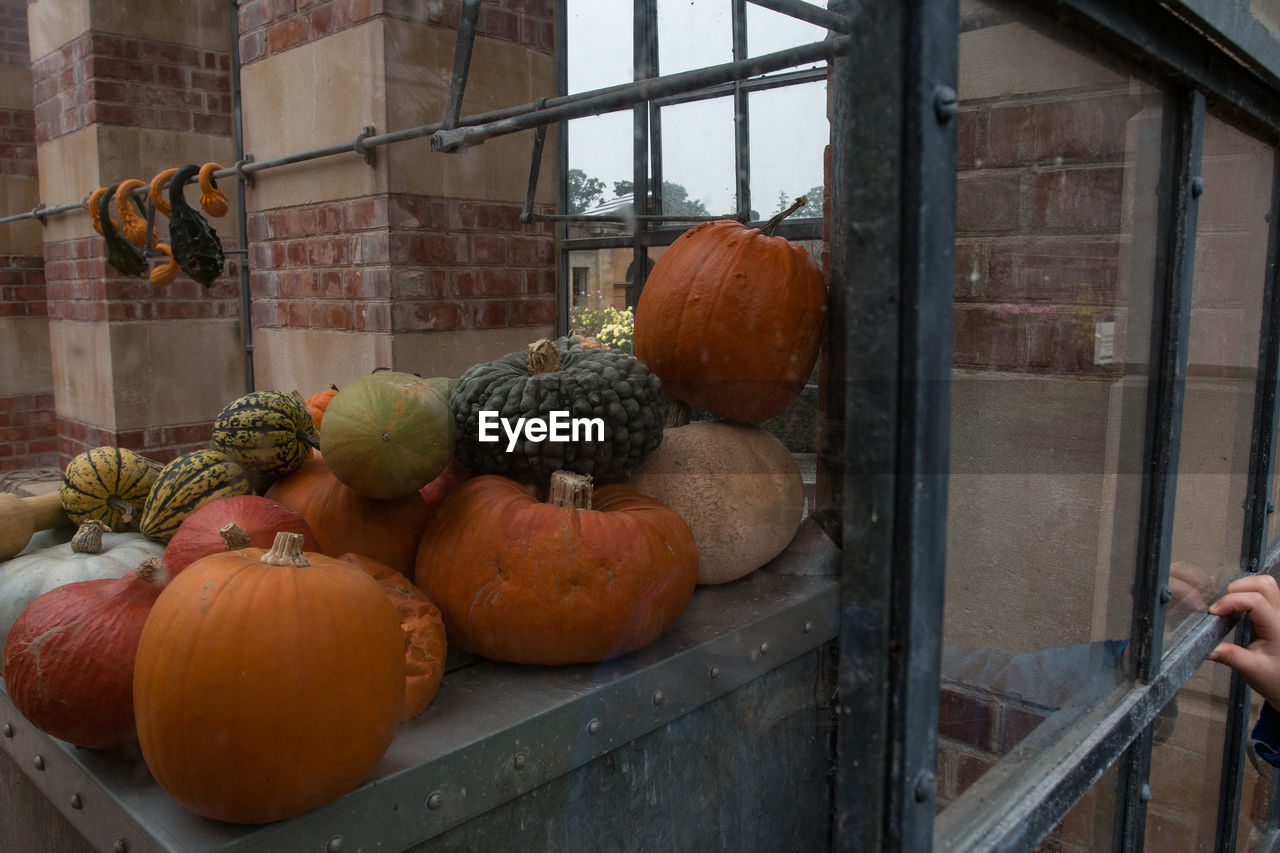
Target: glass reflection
{"x":1059,"y":162}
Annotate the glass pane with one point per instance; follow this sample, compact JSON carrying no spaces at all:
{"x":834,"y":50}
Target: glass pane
{"x":789,"y":133}
{"x":600,"y":159}
{"x":769,"y":31}
{"x":1222,"y":361}
{"x":1055,"y":248}
{"x":599,"y":37}
{"x":693,"y":34}
{"x":697,"y":159}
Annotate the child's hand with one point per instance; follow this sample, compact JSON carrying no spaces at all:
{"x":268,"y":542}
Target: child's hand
{"x":1259,"y":664}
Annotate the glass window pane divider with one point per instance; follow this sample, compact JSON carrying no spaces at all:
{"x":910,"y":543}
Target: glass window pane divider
{"x":741,"y":115}
{"x":1171,"y":320}
{"x":564,"y":291}
{"x":892,"y":274}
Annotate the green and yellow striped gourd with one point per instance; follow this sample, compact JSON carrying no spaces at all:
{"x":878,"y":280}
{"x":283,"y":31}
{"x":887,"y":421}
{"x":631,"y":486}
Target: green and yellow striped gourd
{"x":107,"y":484}
{"x":268,"y":432}
{"x":186,"y":484}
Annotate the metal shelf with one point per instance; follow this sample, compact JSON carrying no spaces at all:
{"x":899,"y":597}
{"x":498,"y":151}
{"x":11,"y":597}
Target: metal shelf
{"x":494,"y":732}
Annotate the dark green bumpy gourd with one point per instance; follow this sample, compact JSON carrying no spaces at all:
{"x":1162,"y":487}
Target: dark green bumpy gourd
{"x":574,"y":375}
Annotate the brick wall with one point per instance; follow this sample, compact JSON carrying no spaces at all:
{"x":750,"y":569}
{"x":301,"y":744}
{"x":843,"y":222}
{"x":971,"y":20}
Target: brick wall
{"x":401,"y":263}
{"x":14,"y":49}
{"x":131,"y":82}
{"x":268,"y":27}
{"x":1039,"y":233}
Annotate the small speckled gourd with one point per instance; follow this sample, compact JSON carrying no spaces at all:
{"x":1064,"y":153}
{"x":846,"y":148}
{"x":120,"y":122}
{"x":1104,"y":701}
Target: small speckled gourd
{"x":269,"y":432}
{"x":186,"y":484}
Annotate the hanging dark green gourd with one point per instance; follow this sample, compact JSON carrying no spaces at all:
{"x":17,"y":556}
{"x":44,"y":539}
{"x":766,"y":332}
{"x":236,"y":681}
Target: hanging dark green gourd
{"x":194,"y":242}
{"x":123,"y":256}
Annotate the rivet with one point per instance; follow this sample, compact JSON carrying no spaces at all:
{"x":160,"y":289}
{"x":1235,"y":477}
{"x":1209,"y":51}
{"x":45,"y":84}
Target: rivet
{"x":1144,"y":794}
{"x":1166,"y":594}
{"x":715,"y":672}
{"x":120,"y":846}
{"x":435,"y":801}
{"x":1197,"y":186}
{"x":520,"y":760}
{"x":8,"y":730}
{"x":39,"y":762}
{"x":926,"y":786}
{"x":808,"y":627}
{"x":334,"y":845}
{"x":946,"y":104}
{"x":658,"y":697}
{"x":764,"y":648}
{"x":593,"y":727}
{"x":76,"y":802}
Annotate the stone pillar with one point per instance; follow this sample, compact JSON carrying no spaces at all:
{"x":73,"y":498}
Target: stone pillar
{"x":123,"y":90}
{"x":27,"y":433}
{"x":418,"y":261}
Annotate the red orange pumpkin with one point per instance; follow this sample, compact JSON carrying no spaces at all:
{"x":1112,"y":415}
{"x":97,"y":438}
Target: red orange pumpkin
{"x":731,"y":320}
{"x":588,"y":576}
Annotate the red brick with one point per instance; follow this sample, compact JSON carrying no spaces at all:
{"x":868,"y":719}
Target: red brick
{"x":424,"y":315}
{"x":359,"y":214}
{"x":366,"y":283}
{"x":373,"y":317}
{"x":987,"y":202}
{"x":500,"y":23}
{"x":332,"y":315}
{"x":1091,"y":127}
{"x":488,"y":249}
{"x":1057,"y":269}
{"x":490,"y":313}
{"x":287,"y":34}
{"x":486,"y":217}
{"x":531,"y":312}
{"x":488,"y":282}
{"x":531,"y":252}
{"x":421,"y":284}
{"x":1085,"y":199}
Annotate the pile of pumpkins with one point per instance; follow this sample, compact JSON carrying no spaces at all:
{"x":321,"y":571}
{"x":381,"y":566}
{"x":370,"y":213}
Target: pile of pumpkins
{"x":257,"y":618}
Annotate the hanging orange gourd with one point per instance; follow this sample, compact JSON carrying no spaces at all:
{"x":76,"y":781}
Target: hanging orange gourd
{"x":731,"y":319}
{"x":122,"y":255}
{"x":212,"y":199}
{"x":133,"y":222}
{"x":267,"y":682}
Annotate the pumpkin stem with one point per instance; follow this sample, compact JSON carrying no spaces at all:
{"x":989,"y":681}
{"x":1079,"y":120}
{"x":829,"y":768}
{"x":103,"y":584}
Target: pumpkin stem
{"x":542,"y":357}
{"x":286,"y":550}
{"x":570,"y":489}
{"x":121,"y":506}
{"x":150,"y":570}
{"x":234,"y":536}
{"x":772,"y":224}
{"x":88,"y":537}
{"x":679,"y":413}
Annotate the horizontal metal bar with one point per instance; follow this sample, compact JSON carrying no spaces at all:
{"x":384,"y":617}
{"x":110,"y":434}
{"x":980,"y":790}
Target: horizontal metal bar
{"x":808,"y":13}
{"x":1014,"y":804}
{"x":640,"y":91}
{"x":810,"y":230}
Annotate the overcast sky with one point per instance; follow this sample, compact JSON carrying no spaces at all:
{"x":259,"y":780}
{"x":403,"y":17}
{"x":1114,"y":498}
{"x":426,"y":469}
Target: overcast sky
{"x":788,"y":126}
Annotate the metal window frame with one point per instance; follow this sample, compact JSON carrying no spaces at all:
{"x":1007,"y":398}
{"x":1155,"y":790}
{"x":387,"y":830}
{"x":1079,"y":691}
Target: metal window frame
{"x":885,"y":438}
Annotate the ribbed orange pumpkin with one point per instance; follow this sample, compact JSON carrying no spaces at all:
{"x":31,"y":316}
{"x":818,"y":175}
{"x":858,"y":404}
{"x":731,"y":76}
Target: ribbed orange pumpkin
{"x":266,"y":685}
{"x":425,"y":648}
{"x":345,"y":520}
{"x":731,"y":320}
{"x":524,"y":581}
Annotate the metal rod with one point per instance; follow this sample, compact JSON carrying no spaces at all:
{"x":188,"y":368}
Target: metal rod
{"x":808,"y":13}
{"x":535,"y":166}
{"x":641,"y":91}
{"x":461,"y":61}
{"x":242,"y":210}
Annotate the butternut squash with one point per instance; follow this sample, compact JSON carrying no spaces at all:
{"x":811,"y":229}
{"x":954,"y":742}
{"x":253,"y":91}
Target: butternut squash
{"x":20,"y":518}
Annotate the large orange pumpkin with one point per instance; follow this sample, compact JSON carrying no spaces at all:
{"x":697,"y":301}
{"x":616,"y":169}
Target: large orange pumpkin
{"x":344,"y":520}
{"x":267,"y":682}
{"x":731,"y":320}
{"x":582,"y":578}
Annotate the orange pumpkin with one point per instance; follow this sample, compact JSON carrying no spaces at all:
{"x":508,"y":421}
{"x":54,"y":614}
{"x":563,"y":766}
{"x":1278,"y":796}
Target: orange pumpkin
{"x":344,"y":520}
{"x":424,"y":637}
{"x":731,"y":320}
{"x":317,"y":403}
{"x":587,"y":576}
{"x":267,"y":682}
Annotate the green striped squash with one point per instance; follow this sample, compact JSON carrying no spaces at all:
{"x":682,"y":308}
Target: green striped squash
{"x":107,"y":484}
{"x":186,"y":484}
{"x":268,"y":432}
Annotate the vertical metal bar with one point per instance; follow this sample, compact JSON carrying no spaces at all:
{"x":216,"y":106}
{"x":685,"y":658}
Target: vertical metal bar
{"x":893,"y":224}
{"x":564,"y":286}
{"x":461,"y":62}
{"x":1171,"y":320}
{"x":645,"y":62}
{"x":1257,"y":515}
{"x":741,"y":115}
{"x":242,"y":213}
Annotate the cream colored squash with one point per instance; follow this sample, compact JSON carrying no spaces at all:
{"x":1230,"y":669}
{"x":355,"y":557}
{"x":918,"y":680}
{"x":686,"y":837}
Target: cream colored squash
{"x":736,"y":485}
